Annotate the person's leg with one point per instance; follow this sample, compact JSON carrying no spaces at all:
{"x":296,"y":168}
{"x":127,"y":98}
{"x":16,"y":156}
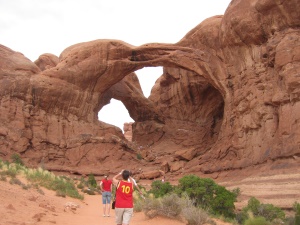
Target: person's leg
{"x":108,"y":203}
{"x":127,"y":216}
{"x":104,"y":201}
{"x":119,"y":215}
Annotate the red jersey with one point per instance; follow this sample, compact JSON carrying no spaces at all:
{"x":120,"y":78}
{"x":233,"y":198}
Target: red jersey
{"x":124,"y":198}
{"x":106,"y":185}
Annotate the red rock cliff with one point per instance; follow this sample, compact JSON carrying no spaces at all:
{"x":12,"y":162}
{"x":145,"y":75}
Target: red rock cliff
{"x":228,"y":98}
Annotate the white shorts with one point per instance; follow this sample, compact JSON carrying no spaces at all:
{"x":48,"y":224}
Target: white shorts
{"x":123,"y":215}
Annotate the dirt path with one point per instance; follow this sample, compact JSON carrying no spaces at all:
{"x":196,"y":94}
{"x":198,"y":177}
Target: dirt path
{"x":24,"y":207}
{"x":29,"y":207}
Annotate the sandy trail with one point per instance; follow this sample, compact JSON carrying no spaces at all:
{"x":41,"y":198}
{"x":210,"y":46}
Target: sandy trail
{"x":29,"y":207}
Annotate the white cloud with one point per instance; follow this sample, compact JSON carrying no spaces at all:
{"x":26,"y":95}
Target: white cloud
{"x":34,"y":27}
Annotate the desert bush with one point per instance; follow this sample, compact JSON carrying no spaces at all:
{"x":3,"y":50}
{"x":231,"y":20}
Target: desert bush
{"x":257,"y":221}
{"x":89,"y":191}
{"x":91,"y":181}
{"x":2,"y":177}
{"x":267,"y":211}
{"x":80,"y":186}
{"x":9,"y":172}
{"x":236,"y":191}
{"x":25,"y":187}
{"x":15,"y":181}
{"x":139,"y":156}
{"x":172,"y":205}
{"x":289,"y":221}
{"x":176,"y":207}
{"x":159,"y":188}
{"x":40,"y":191}
{"x":271,"y":212}
{"x":223,"y":202}
{"x":60,"y":193}
{"x":151,"y":207}
{"x":83,"y":183}
{"x":16,"y":158}
{"x":195,"y":216}
{"x":138,"y":205}
{"x":208,"y":195}
{"x":296,"y":208}
{"x":48,"y":180}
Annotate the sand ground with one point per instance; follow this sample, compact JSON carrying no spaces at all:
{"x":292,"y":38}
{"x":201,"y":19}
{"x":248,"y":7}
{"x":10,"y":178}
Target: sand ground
{"x":29,"y":207}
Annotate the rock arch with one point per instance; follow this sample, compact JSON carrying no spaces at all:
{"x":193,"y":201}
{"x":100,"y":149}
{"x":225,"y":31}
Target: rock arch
{"x":245,"y":65}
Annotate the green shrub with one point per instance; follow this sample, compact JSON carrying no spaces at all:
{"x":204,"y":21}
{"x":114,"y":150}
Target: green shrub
{"x":80,"y":186}
{"x":139,"y":156}
{"x":223,"y":202}
{"x":60,"y":193}
{"x":138,"y":205}
{"x":159,"y":188}
{"x":236,"y":191}
{"x":257,"y":221}
{"x":63,"y":186}
{"x":208,"y":195}
{"x":253,"y":206}
{"x":271,"y":212}
{"x":92,"y":181}
{"x":16,"y":158}
{"x":289,"y":221}
{"x":10,"y":173}
{"x":200,"y":189}
{"x":296,"y":208}
{"x":267,"y":211}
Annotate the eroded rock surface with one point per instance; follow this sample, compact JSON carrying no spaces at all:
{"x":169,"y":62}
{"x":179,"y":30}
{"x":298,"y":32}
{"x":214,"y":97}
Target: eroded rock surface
{"x":228,"y":99}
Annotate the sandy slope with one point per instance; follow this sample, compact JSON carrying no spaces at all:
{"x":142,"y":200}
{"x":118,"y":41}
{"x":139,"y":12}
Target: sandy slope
{"x":24,"y":207}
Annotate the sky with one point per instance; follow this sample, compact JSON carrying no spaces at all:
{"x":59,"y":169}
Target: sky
{"x":35,"y":27}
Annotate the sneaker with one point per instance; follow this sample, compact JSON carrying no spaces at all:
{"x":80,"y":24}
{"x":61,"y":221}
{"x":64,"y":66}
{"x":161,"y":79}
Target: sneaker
{"x":108,"y":215}
{"x":104,"y":215}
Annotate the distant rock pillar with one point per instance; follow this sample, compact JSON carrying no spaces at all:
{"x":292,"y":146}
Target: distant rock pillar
{"x":128,"y":131}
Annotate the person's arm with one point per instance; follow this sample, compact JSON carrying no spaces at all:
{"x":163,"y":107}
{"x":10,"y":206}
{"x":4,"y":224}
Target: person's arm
{"x":136,"y":186}
{"x":101,"y":185}
{"x":115,"y":178}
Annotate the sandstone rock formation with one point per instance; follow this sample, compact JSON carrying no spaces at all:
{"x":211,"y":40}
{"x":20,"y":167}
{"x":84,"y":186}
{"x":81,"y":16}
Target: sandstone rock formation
{"x":228,"y":98}
{"x":128,"y":131}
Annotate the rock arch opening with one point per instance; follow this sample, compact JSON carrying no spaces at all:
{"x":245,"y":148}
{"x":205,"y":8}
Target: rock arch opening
{"x":115,"y":113}
{"x":147,"y":77}
{"x":192,"y":112}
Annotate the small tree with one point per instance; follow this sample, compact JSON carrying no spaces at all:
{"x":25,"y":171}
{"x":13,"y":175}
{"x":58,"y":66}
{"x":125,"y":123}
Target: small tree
{"x":208,"y":195}
{"x":223,"y":202}
{"x":92,"y":181}
{"x":267,"y":211}
{"x":159,"y":188}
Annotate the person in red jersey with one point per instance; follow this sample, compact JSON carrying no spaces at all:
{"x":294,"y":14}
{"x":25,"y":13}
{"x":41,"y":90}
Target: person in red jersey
{"x":124,"y":197}
{"x":106,"y":187}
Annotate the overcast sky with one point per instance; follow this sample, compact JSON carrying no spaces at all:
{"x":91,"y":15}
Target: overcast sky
{"x":34,"y":27}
